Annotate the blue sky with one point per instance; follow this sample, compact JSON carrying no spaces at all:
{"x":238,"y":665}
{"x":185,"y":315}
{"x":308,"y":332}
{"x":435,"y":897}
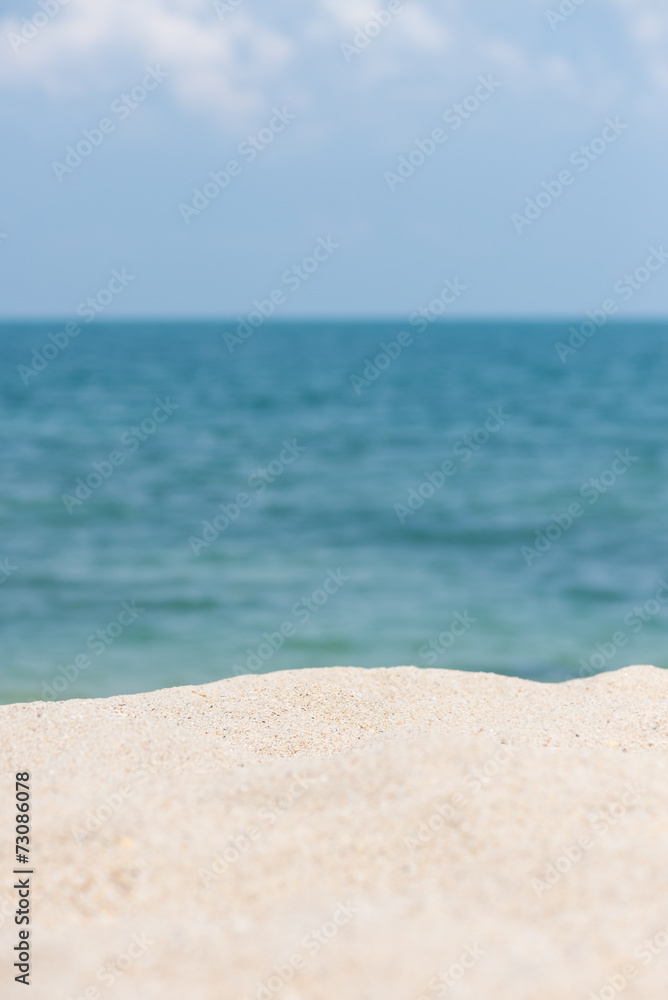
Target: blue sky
{"x":314,"y":105}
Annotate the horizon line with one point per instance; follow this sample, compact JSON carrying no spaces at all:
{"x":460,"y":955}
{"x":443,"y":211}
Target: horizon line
{"x":348,"y":318}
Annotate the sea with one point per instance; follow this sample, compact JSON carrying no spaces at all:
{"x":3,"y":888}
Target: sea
{"x":193,"y":500}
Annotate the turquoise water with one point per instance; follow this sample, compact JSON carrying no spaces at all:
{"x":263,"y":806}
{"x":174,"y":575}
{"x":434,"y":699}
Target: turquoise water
{"x":332,"y":546}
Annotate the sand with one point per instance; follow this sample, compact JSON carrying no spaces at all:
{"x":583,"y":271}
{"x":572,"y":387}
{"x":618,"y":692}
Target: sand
{"x":346,"y":834}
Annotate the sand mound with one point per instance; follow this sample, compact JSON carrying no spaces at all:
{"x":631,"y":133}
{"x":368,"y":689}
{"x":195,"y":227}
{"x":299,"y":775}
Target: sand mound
{"x":369,"y":835}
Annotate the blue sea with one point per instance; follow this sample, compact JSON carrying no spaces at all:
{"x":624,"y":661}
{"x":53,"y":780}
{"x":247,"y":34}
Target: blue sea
{"x":179,"y":505}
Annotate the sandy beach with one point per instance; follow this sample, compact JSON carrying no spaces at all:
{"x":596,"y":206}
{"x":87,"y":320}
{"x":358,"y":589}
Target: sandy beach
{"x":387,"y":834}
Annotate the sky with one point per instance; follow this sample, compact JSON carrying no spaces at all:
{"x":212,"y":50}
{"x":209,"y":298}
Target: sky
{"x":356,"y":155}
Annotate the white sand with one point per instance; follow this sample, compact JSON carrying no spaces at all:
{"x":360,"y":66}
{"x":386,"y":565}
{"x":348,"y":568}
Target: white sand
{"x":357,"y":818}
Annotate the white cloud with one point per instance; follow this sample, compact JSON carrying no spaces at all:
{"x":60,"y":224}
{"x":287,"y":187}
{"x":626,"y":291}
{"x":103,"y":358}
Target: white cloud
{"x":221,"y":67}
{"x":424,"y":30}
{"x":233,"y":69}
{"x":646,"y":22}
